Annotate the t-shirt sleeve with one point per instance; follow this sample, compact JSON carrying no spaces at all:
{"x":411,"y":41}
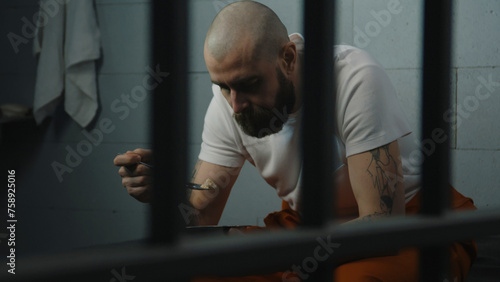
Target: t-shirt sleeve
{"x":369,"y":113}
{"x":221,"y":144}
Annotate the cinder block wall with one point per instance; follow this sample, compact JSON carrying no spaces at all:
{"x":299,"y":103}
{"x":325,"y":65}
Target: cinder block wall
{"x":85,"y":204}
{"x":391,"y":31}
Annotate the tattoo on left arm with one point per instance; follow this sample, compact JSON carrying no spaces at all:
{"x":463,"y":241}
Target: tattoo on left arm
{"x":372,"y":216}
{"x":383,"y":170}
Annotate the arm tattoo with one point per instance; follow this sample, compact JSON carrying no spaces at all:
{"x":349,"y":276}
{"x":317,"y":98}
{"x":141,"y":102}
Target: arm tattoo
{"x":193,"y":176}
{"x":383,"y":170}
{"x":195,"y":171}
{"x":373,"y":216}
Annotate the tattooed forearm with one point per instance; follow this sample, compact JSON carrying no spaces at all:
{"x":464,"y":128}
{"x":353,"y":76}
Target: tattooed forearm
{"x":373,"y":216}
{"x":383,"y":170}
{"x":195,"y":170}
{"x":193,"y":176}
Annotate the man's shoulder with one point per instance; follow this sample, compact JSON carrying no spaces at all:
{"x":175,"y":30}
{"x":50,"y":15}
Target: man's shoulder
{"x":342,"y":53}
{"x":346,"y":55}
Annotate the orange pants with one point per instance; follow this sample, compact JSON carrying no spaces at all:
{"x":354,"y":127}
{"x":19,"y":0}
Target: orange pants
{"x":399,"y":268}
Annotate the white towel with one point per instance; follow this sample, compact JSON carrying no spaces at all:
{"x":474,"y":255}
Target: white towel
{"x":67,"y":43}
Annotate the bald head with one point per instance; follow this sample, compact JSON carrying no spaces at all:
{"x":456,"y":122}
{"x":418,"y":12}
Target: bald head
{"x":246,"y":26}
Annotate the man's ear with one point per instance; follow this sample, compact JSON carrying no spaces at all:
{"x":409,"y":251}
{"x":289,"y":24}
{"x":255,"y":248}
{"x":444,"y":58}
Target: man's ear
{"x":289,"y":56}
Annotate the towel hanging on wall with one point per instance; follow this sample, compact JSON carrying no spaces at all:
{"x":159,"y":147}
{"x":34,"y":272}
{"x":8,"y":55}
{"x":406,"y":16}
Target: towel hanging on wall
{"x":67,"y":44}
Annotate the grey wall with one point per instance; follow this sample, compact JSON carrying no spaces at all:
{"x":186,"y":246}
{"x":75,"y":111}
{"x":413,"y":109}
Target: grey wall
{"x":89,"y":206}
{"x":396,"y":42}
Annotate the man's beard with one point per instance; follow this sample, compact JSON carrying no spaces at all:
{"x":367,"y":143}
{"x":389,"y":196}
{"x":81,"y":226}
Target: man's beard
{"x":259,"y":122}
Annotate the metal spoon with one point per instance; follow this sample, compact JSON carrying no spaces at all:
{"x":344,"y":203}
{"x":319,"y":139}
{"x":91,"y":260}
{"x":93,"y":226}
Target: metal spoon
{"x":194,"y":186}
{"x":189,"y":185}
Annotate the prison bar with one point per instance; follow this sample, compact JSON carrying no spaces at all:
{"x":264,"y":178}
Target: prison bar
{"x":434,"y":260}
{"x":170,"y":119}
{"x":318,"y":121}
{"x":436,"y":102}
{"x":258,"y":253}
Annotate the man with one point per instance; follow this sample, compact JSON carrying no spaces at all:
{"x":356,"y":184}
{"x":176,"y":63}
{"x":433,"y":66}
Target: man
{"x":255,"y":116}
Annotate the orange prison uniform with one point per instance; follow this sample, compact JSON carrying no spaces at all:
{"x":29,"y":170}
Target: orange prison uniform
{"x":403,"y":267}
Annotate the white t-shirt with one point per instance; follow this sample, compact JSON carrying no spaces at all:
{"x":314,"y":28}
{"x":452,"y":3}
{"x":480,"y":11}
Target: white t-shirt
{"x":368,"y":116}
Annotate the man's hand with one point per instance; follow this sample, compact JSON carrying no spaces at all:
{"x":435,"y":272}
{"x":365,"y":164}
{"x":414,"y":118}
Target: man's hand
{"x":136,"y":177}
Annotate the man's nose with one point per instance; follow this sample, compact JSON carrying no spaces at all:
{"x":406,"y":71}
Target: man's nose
{"x":238,"y":102}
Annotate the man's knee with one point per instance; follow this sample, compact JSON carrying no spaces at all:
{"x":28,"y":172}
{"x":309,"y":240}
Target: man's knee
{"x":353,"y":273}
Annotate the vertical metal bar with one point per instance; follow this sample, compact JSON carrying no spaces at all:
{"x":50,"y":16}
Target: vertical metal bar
{"x":170,"y":118}
{"x":318,"y":117}
{"x":435,"y":130}
{"x":318,"y":124}
{"x":436,"y":101}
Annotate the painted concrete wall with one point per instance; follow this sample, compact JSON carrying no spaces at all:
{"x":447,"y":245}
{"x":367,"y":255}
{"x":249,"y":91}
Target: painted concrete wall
{"x":391,"y":31}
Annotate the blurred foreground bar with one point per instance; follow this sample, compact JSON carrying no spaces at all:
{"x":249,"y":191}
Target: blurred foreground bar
{"x":170,"y":118}
{"x":318,"y":124}
{"x":435,"y":130}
